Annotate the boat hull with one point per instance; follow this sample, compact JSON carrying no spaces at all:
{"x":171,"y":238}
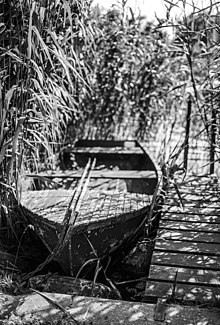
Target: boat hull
{"x":90,"y":244}
{"x":106,"y":220}
{"x":84,"y":250}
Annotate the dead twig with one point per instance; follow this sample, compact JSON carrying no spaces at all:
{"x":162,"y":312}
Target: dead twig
{"x":56,"y":304}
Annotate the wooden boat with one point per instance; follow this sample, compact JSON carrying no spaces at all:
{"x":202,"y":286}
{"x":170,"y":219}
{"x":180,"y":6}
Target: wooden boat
{"x":116,"y":203}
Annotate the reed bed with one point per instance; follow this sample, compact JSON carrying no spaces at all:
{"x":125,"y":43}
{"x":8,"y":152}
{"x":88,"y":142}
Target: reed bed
{"x":42,"y":72}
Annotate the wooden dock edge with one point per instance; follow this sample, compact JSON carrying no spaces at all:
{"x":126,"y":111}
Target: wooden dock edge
{"x":86,"y":310}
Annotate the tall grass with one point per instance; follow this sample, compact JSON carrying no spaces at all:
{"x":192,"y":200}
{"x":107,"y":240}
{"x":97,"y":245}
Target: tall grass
{"x":132,"y":75}
{"x":197,"y":37}
{"x":41,"y":73}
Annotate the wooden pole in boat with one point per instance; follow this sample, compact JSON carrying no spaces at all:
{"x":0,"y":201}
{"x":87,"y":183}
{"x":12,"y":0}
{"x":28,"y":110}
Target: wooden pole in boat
{"x":213,"y":139}
{"x":75,"y":195}
{"x":77,"y":203}
{"x":186,"y":142}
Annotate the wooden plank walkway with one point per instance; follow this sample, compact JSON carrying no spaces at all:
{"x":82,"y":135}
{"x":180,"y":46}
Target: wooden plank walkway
{"x":35,"y":309}
{"x":185,"y":265}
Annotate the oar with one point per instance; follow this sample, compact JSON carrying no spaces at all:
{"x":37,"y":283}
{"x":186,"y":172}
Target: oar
{"x":77,"y":203}
{"x":73,"y":201}
{"x":69,"y":218}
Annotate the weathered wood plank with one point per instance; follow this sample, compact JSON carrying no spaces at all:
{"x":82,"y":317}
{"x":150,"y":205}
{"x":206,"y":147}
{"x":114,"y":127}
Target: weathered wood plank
{"x":214,"y":189}
{"x":196,"y":183}
{"x":197,"y":200}
{"x":179,"y":225}
{"x":184,"y":275}
{"x":196,"y":236}
{"x":188,"y":247}
{"x":191,"y":315}
{"x":72,"y":286}
{"x":182,"y":292}
{"x":109,"y":174}
{"x":191,"y":217}
{"x":204,"y":262}
{"x":108,"y":150}
{"x":194,"y":204}
{"x":107,"y":143}
{"x":35,"y":309}
{"x":193,"y":210}
{"x":192,"y":197}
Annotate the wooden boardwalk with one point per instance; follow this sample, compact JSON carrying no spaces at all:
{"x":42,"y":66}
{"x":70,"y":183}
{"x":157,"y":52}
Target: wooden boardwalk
{"x":185,"y":268}
{"x":185,"y":265}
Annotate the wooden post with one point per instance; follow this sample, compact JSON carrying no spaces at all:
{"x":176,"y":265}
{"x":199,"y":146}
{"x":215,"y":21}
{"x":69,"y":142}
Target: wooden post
{"x":186,"y":142}
{"x":213,"y":140}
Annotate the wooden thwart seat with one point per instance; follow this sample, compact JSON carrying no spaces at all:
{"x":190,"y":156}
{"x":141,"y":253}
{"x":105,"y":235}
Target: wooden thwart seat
{"x":108,"y":174}
{"x":107,"y":150}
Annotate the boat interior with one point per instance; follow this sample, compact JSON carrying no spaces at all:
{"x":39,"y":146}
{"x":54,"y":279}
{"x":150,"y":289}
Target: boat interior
{"x":118,"y":166}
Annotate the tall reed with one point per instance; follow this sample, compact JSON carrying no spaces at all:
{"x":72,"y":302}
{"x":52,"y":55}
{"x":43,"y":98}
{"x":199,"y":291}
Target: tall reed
{"x":42,"y":72}
{"x":132,"y":76}
{"x":197,"y":36}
